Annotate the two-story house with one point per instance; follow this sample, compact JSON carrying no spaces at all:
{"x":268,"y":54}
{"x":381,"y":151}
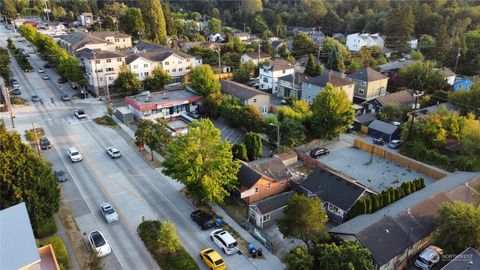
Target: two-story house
{"x":356,"y":41}
{"x":255,"y":57}
{"x":247,"y":95}
{"x":271,"y":71}
{"x":101,"y":69}
{"x":106,"y":41}
{"x":291,"y":85}
{"x":369,"y":84}
{"x":313,"y":86}
{"x":262,"y":178}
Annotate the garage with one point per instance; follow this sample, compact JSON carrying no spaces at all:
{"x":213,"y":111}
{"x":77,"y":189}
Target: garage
{"x":380,"y":129}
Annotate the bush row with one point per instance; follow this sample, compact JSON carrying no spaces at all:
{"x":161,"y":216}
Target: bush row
{"x":4,"y":69}
{"x":375,"y":202}
{"x":47,"y":228}
{"x":60,"y":251}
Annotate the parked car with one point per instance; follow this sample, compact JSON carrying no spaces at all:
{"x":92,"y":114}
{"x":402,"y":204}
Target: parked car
{"x":79,"y":114}
{"x":65,"y":97}
{"x":46,"y":65}
{"x":99,"y":243}
{"x":13,"y":81}
{"x":62,"y":80}
{"x":108,"y":212}
{"x":60,"y":175}
{"x":317,"y":152}
{"x":225,"y":241}
{"x":204,"y":220}
{"x":212,"y":259}
{"x":113,"y":152}
{"x":46,"y":77}
{"x":35,"y":98}
{"x":429,"y":257}
{"x":16,"y":92}
{"x":395,"y":144}
{"x":41,"y":70}
{"x":45,"y":143}
{"x":74,"y":155}
{"x":378,"y":141}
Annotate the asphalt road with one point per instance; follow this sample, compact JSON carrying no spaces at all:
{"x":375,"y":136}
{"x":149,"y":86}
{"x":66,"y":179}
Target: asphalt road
{"x":133,"y":187}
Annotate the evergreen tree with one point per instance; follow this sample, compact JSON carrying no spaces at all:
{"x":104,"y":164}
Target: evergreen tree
{"x":154,"y":20}
{"x":399,"y":31}
{"x":8,"y":9}
{"x":240,"y":151}
{"x":253,"y":142}
{"x":169,"y":25}
{"x":311,"y":68}
{"x":250,"y":7}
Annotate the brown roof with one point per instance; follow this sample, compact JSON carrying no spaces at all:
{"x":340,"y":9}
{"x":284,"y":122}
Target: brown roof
{"x":448,"y":72}
{"x":400,"y":98}
{"x":278,"y":64}
{"x":254,"y":55}
{"x":368,"y":75}
{"x":329,"y":77}
{"x":239,"y":90}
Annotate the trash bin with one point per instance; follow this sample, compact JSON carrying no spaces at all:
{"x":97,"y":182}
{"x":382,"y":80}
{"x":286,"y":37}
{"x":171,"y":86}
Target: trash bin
{"x":218,"y":222}
{"x":250,"y":248}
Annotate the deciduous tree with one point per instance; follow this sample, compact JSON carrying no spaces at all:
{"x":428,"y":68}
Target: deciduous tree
{"x":303,"y":44}
{"x":204,"y":81}
{"x":251,"y":6}
{"x":215,"y":25}
{"x":157,"y":80}
{"x":154,"y":20}
{"x":126,"y":83}
{"x":240,"y":151}
{"x":347,"y":255}
{"x":132,"y":23}
{"x":423,"y":76}
{"x":299,"y":259}
{"x":168,"y":238}
{"x":155,"y":135}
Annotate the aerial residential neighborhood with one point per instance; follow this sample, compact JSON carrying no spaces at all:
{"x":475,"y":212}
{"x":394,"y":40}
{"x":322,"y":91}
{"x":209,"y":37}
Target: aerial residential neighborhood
{"x":241,"y":134}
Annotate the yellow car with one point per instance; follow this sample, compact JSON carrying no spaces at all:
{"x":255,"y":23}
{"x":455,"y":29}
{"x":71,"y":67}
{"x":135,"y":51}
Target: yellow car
{"x":212,"y":259}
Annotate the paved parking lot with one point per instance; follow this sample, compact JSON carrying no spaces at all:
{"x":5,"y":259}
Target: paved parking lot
{"x":372,"y":171}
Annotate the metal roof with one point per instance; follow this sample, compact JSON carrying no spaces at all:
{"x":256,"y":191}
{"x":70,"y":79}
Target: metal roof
{"x":384,"y":127}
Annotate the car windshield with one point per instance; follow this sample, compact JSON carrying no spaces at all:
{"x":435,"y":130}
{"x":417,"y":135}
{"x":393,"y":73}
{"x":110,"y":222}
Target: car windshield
{"x":109,"y":210}
{"x":44,"y":140}
{"x":424,"y":261}
{"x":98,"y":239}
{"x":115,"y":151}
{"x":60,"y":173}
{"x":219,"y":262}
{"x":75,"y":153}
{"x":232,"y":245}
{"x":81,"y":112}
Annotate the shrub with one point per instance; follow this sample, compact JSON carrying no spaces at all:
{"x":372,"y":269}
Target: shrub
{"x":253,"y":143}
{"x":106,"y":121}
{"x":47,"y":228}
{"x":240,"y":151}
{"x":60,"y":251}
{"x":391,"y":193}
{"x":375,"y":203}
{"x":358,"y":208}
{"x":368,"y":205}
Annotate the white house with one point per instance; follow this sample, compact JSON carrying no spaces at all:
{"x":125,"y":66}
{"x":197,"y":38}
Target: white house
{"x":243,"y":36}
{"x":255,"y":57}
{"x":270,"y":72}
{"x":217,"y":37}
{"x":356,"y":41}
{"x":86,"y":19}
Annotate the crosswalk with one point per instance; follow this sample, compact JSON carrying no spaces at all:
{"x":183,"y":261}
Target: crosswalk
{"x":71,"y":119}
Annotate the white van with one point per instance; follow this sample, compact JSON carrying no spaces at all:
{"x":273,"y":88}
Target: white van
{"x":429,"y":257}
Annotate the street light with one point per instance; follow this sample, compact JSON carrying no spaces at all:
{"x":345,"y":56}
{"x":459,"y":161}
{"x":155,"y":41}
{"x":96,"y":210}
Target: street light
{"x":35,"y":133}
{"x":278,"y":134}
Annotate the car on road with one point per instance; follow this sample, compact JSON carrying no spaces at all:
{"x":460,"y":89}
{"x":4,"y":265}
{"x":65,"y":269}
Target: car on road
{"x":46,"y":77}
{"x":429,"y":257}
{"x":16,"y":92}
{"x":204,"y":220}
{"x":46,"y":66}
{"x":320,"y":151}
{"x":41,"y":70}
{"x":395,"y":144}
{"x":225,"y":241}
{"x":378,"y":141}
{"x":35,"y":98}
{"x":28,"y":70}
{"x":13,"y":81}
{"x":80,"y":114}
{"x":74,"y":155}
{"x":99,"y":243}
{"x":108,"y":212}
{"x":60,"y":175}
{"x":45,"y":143}
{"x":212,"y":259}
{"x":113,"y":152}
{"x":65,"y":97}
{"x":62,"y":80}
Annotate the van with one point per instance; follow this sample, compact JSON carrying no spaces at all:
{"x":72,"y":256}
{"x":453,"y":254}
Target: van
{"x":429,"y":257}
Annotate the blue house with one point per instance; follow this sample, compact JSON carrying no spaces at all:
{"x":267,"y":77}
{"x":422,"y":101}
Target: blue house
{"x":462,"y":84}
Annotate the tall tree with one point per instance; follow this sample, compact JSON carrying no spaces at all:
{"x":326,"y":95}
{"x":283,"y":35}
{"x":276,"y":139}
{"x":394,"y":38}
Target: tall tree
{"x":155,"y":135}
{"x":458,"y":227}
{"x":303,"y":45}
{"x":126,"y":83}
{"x":304,"y":219}
{"x":202,"y":162}
{"x":311,"y":68}
{"x":157,"y":80}
{"x":167,"y":13}
{"x":253,"y":143}
{"x":423,"y":76}
{"x":215,"y":25}
{"x":299,"y":259}
{"x":332,"y":112}
{"x":168,"y":239}
{"x":132,"y":23}
{"x":347,"y":255}
{"x":154,"y":20}
{"x":8,"y":9}
{"x":398,"y":31}
{"x":251,"y":6}
{"x":204,"y":81}
{"x":26,"y":177}
{"x":292,"y":132}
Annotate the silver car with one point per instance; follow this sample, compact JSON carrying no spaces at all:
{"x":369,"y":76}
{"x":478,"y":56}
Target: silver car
{"x":113,"y":152}
{"x":108,"y":212}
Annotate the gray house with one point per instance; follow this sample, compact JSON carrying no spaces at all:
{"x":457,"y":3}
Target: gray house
{"x":468,"y":259}
{"x":265,"y":212}
{"x":313,"y":86}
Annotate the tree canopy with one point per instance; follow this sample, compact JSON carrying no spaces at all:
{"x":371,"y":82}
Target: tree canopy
{"x":347,"y":255}
{"x":423,"y":76}
{"x":132,"y":23}
{"x":299,"y":259}
{"x":168,"y":239}
{"x":154,"y":20}
{"x":155,"y":135}
{"x":204,"y":81}
{"x":127,"y":82}
{"x":157,"y":80}
{"x":202,"y":162}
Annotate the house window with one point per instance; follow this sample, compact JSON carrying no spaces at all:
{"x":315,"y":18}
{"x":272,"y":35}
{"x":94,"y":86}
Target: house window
{"x":167,"y":71}
{"x":166,"y":63}
{"x":97,"y":62}
{"x":188,"y":60}
{"x":100,"y":70}
{"x":264,"y":109}
{"x":135,"y":66}
{"x":145,"y":65}
{"x":109,"y":69}
{"x":254,"y":100}
{"x":266,"y":217}
{"x":136,"y":74}
{"x":109,"y":60}
{"x":146,"y":73}
{"x":180,"y":69}
{"x":117,"y":40}
{"x":360,"y":91}
{"x":110,"y":78}
{"x":256,"y":190}
{"x":119,"y":59}
{"x":269,"y":185}
{"x":188,"y":68}
{"x":265,"y":79}
{"x":174,"y":70}
{"x":283,"y":71}
{"x":179,"y":62}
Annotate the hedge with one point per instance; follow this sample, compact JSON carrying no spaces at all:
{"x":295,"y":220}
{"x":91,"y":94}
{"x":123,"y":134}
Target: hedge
{"x":148,"y":232}
{"x":60,"y":251}
{"x":47,"y":228}
{"x":375,"y":202}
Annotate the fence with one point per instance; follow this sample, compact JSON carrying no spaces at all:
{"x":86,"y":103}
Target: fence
{"x":257,"y":234}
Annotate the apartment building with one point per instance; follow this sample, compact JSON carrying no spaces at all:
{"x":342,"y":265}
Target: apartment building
{"x":106,"y":41}
{"x":356,"y":41}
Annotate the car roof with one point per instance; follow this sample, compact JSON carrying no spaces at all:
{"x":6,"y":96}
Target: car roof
{"x":214,"y":255}
{"x":72,"y":149}
{"x":106,"y":205}
{"x":227,"y":237}
{"x":429,"y":252}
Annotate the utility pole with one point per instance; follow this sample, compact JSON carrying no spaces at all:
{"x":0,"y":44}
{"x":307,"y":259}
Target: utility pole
{"x":456,"y":61}
{"x":46,"y":12}
{"x":219,"y":51}
{"x":95,"y":67}
{"x":258,"y":54}
{"x":36,"y":138}
{"x":7,"y":101}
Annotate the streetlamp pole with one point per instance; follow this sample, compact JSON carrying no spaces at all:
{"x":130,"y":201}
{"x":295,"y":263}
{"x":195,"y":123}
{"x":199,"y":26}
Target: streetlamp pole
{"x":9,"y":103}
{"x":417,"y":94}
{"x":109,"y":106}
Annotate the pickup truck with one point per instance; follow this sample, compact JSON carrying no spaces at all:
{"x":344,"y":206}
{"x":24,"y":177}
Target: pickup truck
{"x":80,"y":114}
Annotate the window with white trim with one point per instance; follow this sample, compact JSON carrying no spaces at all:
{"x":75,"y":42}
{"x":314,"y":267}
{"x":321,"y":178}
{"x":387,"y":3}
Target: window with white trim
{"x":256,"y":190}
{"x":265,"y":217}
{"x":109,"y":60}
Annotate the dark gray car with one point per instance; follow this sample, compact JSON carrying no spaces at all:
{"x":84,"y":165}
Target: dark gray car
{"x":60,"y":175}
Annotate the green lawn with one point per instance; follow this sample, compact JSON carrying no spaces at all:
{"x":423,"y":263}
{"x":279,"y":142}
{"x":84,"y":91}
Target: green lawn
{"x":106,"y":121}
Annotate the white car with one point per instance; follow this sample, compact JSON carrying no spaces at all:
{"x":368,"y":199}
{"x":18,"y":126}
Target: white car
{"x":74,"y":154}
{"x":225,"y":241}
{"x":429,"y":257}
{"x":113,"y":152}
{"x":41,"y":70}
{"x":99,"y":243}
{"x":46,"y":77}
{"x":79,"y":114}
{"x":108,"y":212}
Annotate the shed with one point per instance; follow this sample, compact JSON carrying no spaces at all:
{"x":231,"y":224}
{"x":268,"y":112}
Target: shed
{"x":380,"y":129}
{"x":124,"y":114}
{"x":363,"y":120}
{"x":265,"y":212}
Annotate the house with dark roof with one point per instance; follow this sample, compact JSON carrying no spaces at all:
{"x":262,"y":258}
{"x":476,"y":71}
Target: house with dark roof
{"x":271,"y":71}
{"x":401,"y":98}
{"x":314,"y":85}
{"x":255,"y":57}
{"x":291,"y":85}
{"x":391,"y":69}
{"x":247,"y":95}
{"x":337,"y":192}
{"x":107,"y":41}
{"x":265,"y":212}
{"x":362,"y":121}
{"x":397,"y":232}
{"x":369,"y":84}
{"x":386,"y":131}
{"x":469,"y":259}
{"x":262,"y":178}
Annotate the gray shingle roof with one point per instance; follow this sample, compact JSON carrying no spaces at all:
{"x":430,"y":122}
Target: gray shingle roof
{"x":383,"y":127}
{"x":272,"y":168}
{"x":400,"y":98}
{"x":254,"y":55}
{"x":461,"y":262}
{"x":329,"y":77}
{"x":97,"y":54}
{"x":395,"y":65}
{"x":332,"y":188}
{"x":278,"y":64}
{"x":367,"y":75}
{"x":299,"y":78}
{"x":366,"y":118}
{"x":274,"y":202}
{"x":240,"y":91}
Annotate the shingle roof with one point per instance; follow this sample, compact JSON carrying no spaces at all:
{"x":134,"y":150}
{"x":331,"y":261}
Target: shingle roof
{"x":366,"y":118}
{"x":272,"y":168}
{"x":239,"y":90}
{"x":329,"y":77}
{"x":400,"y":98}
{"x":276,"y":43}
{"x":368,"y":75}
{"x":395,"y":65}
{"x":462,"y":261}
{"x":333,"y":188}
{"x":247,"y":176}
{"x":299,"y":78}
{"x":104,"y":34}
{"x":79,"y":39}
{"x":274,"y":202}
{"x":159,"y":54}
{"x":383,"y":127}
{"x":278,"y":64}
{"x":448,"y":72}
{"x":97,"y":54}
{"x":254,"y":55}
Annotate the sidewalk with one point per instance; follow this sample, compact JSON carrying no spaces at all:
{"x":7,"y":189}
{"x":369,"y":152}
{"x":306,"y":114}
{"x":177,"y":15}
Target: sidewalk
{"x":61,"y":232}
{"x":269,"y":261}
